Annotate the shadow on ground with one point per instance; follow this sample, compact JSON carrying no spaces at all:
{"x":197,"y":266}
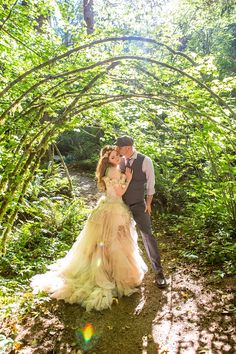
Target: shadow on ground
{"x":190,"y":316}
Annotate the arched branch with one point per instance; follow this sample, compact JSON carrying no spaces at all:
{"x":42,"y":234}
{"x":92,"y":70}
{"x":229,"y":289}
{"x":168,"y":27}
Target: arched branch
{"x":9,"y":15}
{"x":18,"y":40}
{"x":218,"y":99}
{"x":89,"y":45}
{"x":85,"y":89}
{"x":153,"y":61}
{"x":112,"y":98}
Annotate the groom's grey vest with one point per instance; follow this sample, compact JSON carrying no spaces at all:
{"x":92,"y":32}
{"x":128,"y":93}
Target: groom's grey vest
{"x":136,"y":190}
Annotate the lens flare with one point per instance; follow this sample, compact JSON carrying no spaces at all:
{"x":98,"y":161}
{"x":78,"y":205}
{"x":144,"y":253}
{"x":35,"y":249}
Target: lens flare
{"x":88,"y":332}
{"x":85,"y":337}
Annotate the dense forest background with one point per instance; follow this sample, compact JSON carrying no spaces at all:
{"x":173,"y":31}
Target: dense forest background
{"x":77,"y":74}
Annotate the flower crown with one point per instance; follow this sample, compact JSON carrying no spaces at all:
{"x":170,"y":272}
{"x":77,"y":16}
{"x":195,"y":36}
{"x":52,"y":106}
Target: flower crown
{"x":106,"y":154}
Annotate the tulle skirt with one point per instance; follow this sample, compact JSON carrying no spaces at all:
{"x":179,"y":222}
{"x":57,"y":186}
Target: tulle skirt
{"x":103,"y":263}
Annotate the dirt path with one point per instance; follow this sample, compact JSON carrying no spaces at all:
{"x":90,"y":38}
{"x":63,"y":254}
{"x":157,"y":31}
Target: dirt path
{"x":190,"y":316}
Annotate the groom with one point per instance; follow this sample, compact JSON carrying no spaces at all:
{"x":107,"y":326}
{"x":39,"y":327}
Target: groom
{"x":134,"y":197}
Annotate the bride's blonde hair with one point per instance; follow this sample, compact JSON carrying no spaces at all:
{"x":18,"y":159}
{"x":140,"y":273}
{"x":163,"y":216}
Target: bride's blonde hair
{"x":102,"y":166}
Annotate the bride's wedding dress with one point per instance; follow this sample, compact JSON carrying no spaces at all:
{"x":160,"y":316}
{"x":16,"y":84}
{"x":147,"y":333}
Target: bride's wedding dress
{"x":103,"y":263}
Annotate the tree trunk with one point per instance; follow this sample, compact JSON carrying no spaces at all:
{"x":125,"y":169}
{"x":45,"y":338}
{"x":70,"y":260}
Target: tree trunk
{"x":89,"y":15}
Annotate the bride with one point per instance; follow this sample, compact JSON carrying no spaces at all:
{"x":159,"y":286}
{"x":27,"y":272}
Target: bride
{"x":104,"y":262}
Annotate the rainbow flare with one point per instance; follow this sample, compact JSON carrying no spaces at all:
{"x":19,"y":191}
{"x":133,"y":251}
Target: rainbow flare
{"x":88,"y":332}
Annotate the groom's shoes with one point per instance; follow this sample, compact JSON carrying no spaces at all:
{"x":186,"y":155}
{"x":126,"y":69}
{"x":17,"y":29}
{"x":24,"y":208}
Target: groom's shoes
{"x":160,"y":280}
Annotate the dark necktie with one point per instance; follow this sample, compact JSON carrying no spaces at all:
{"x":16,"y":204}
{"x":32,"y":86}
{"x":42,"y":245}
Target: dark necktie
{"x":128,"y":163}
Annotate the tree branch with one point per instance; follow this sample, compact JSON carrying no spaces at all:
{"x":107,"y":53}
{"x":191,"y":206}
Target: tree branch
{"x":18,"y":40}
{"x":65,"y":167}
{"x":113,"y":98}
{"x":62,"y":117}
{"x":8,"y":16}
{"x":218,"y":99}
{"x":89,"y":45}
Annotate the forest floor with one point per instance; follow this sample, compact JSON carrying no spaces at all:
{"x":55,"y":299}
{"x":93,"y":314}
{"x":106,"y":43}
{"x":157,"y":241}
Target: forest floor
{"x":192,"y":315}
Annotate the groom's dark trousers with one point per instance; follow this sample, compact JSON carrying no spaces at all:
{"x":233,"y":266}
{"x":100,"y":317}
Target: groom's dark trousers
{"x":134,"y":199}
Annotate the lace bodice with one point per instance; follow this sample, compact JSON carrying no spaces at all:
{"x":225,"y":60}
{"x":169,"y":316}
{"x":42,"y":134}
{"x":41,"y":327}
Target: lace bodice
{"x":112,"y":183}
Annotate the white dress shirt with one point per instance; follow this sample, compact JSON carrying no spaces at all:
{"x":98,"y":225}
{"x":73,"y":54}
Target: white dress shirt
{"x":148,"y":169}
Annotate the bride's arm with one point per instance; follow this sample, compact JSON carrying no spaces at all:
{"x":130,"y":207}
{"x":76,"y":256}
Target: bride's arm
{"x":122,"y":185}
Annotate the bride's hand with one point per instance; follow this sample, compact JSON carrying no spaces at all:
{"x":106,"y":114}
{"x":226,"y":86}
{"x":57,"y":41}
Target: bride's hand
{"x":128,"y":174}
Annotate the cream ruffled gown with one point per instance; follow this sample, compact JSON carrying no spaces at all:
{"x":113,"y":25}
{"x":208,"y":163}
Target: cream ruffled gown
{"x":103,"y":263}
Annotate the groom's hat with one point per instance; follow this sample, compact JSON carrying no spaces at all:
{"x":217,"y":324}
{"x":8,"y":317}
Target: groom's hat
{"x":124,"y":141}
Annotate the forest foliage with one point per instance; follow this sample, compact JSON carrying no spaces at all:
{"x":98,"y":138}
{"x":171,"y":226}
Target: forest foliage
{"x":165,"y":75}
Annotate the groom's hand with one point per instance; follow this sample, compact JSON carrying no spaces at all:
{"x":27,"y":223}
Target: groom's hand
{"x":148,"y":209}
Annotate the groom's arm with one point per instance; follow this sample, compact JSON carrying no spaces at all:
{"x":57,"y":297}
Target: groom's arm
{"x":148,"y":169}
